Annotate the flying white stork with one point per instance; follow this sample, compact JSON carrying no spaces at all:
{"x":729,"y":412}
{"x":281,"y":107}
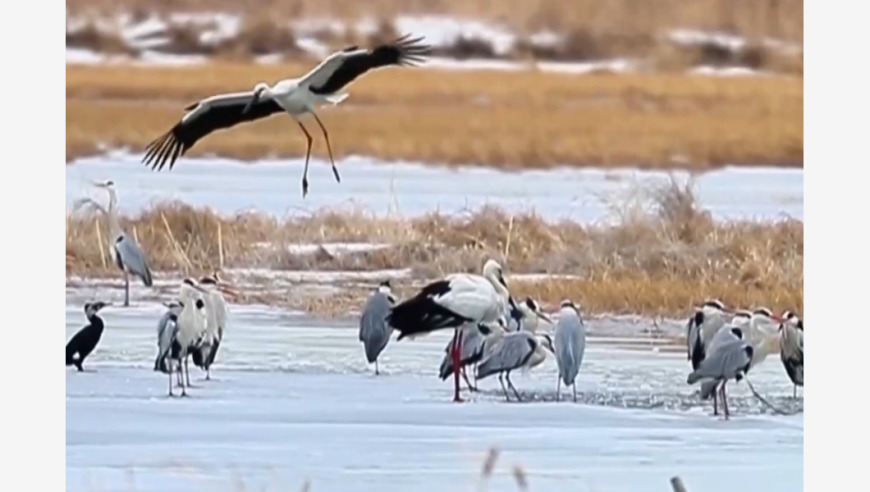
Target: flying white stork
{"x":323,"y":84}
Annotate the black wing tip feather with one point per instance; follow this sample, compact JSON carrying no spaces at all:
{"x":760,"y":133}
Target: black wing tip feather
{"x":162,"y":150}
{"x":411,"y":51}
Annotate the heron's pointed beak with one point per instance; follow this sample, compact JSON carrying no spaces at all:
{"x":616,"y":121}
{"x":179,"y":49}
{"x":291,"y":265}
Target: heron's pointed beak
{"x":777,"y":318}
{"x":229,"y":291}
{"x":544,"y":317}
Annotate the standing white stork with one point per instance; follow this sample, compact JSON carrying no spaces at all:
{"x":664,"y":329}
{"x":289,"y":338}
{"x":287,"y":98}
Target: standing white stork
{"x":126,"y":252}
{"x":456,"y":300}
{"x":706,"y":321}
{"x":296,"y":97}
{"x":791,"y":348}
{"x":216,"y":321}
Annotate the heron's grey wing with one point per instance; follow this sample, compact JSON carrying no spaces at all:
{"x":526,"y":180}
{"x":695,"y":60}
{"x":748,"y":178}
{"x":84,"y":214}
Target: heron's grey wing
{"x":723,"y":363}
{"x":692,"y":333}
{"x":167,"y":330}
{"x":133,"y":258}
{"x":511,"y":352}
{"x":564,"y":344}
{"x":374,"y":330}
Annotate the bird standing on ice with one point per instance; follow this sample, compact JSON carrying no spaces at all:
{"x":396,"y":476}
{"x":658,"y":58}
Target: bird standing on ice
{"x":85,"y":340}
{"x":374,"y":331}
{"x":569,"y":344}
{"x":476,"y":342}
{"x":191,"y":326}
{"x":705,"y":322}
{"x":791,"y":348}
{"x":729,"y":358}
{"x":323,"y":84}
{"x":456,"y":300}
{"x":516,"y":350}
{"x":762,"y":333}
{"x":216,"y":321}
{"x":126,"y":252}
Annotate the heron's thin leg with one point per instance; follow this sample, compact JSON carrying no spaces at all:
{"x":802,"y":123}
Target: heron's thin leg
{"x":467,"y":382}
{"x":574,"y":388}
{"x":558,"y":388}
{"x":126,"y":288}
{"x":457,"y":343}
{"x":208,"y":373}
{"x":376,"y":367}
{"x":186,"y":373}
{"x":170,"y":380}
{"x":512,"y":387}
{"x":794,"y":393}
{"x":503,"y":388}
{"x":328,"y":147}
{"x":725,"y":399}
{"x":307,"y":157}
{"x":716,"y":392}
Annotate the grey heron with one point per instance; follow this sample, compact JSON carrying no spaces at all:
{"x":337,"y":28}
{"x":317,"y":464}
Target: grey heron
{"x":374,"y":331}
{"x":476,"y":341}
{"x":715,"y":388}
{"x":516,"y":350}
{"x":531,"y":313}
{"x":86,"y":339}
{"x":168,"y":348}
{"x":323,"y":84}
{"x":191,"y":325}
{"x":791,"y":348}
{"x":203,"y":356}
{"x":127,"y":254}
{"x":569,"y":344}
{"x":763,"y":333}
{"x":704,"y":323}
{"x":451,"y":302}
{"x":730,"y":359}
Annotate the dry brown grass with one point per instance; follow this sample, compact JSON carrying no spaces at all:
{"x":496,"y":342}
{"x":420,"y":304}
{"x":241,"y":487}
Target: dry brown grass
{"x":593,"y":28}
{"x":658,"y":261}
{"x":511,"y":120}
{"x":753,"y":18}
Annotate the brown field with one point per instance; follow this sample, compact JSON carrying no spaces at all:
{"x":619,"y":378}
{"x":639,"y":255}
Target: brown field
{"x":781,"y":19}
{"x":510,"y":120}
{"x":656,"y":262}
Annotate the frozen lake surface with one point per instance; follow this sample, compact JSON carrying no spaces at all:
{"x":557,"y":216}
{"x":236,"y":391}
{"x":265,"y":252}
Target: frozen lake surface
{"x":292,"y":398}
{"x":409,"y":189}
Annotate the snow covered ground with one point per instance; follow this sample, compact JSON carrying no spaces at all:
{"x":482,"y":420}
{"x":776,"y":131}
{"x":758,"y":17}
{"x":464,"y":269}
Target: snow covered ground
{"x":292,"y":398}
{"x":410,"y":189}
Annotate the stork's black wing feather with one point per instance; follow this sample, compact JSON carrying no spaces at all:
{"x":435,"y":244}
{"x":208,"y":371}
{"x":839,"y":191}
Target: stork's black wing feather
{"x":401,"y":52}
{"x":218,"y":115}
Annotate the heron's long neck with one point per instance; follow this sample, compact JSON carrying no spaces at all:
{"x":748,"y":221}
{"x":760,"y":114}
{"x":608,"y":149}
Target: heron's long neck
{"x":112,"y":215}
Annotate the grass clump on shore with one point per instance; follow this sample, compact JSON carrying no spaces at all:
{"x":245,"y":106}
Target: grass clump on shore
{"x":655,"y":260}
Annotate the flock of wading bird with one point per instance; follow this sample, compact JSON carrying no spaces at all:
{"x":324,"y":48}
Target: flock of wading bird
{"x":492,"y":332}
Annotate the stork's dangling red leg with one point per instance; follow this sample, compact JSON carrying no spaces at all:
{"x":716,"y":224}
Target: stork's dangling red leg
{"x":457,"y":344}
